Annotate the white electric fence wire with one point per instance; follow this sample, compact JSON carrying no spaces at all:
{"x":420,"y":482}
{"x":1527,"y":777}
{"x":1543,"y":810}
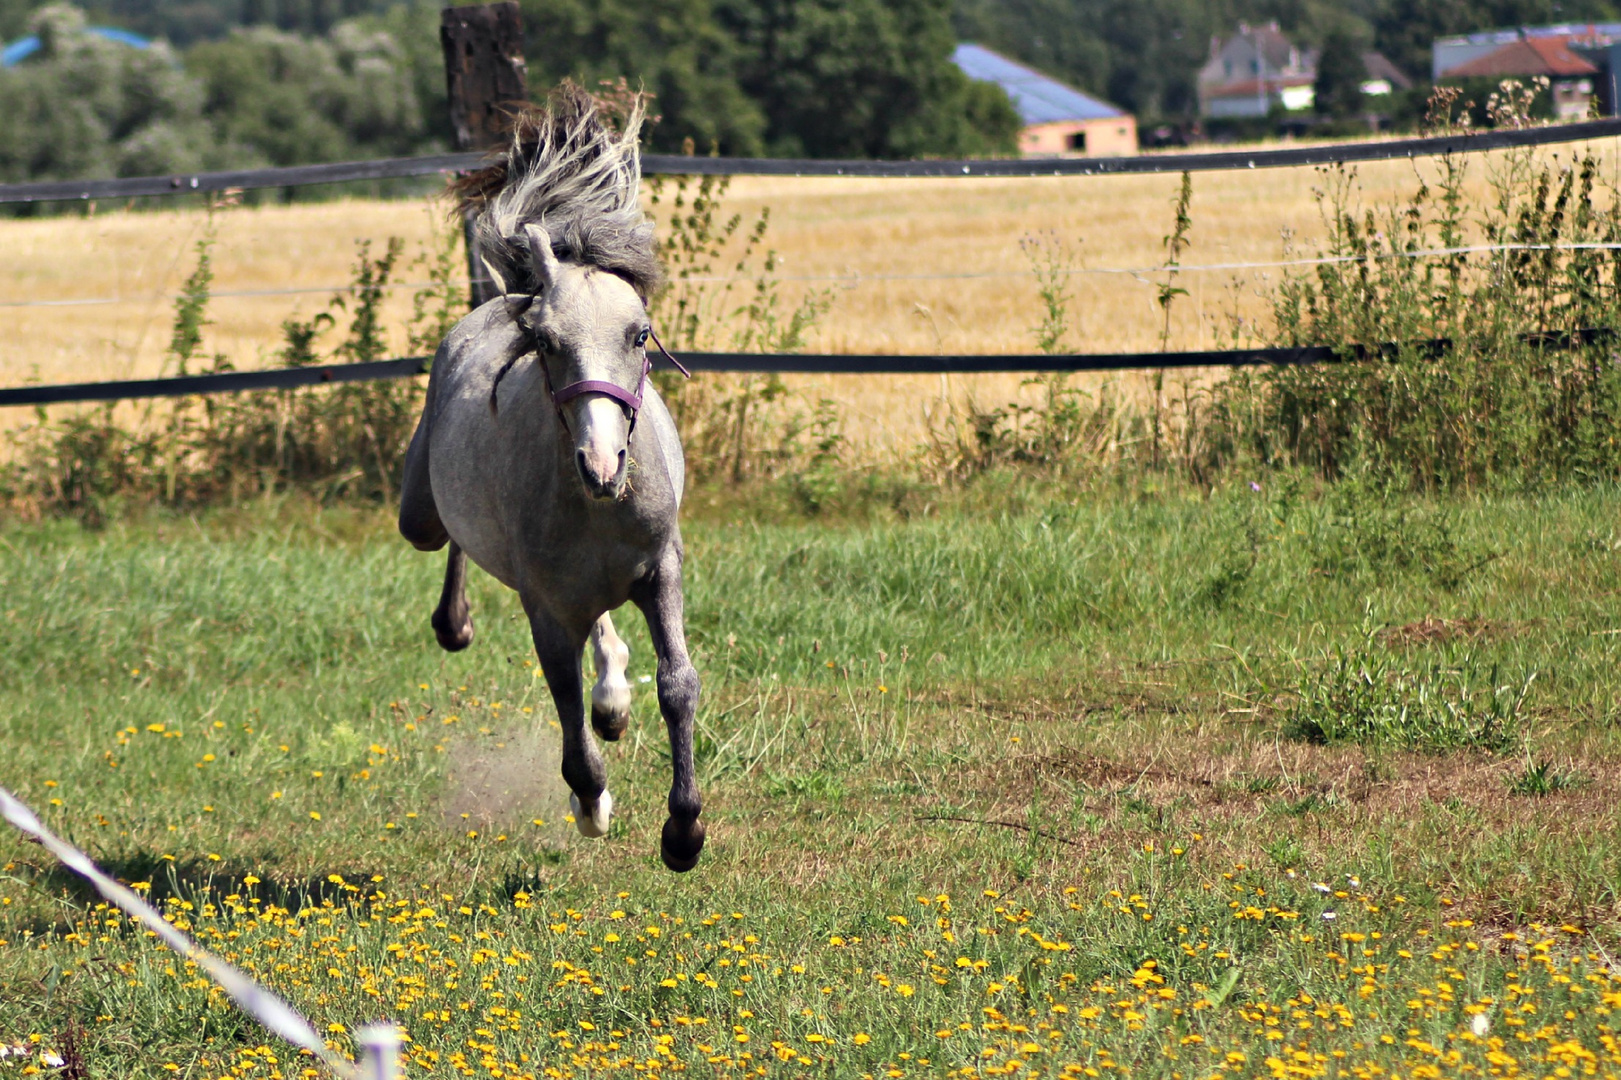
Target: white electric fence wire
{"x":271,"y":1011}
{"x":1326,"y":260}
{"x":855,"y":278}
{"x":390,"y":286}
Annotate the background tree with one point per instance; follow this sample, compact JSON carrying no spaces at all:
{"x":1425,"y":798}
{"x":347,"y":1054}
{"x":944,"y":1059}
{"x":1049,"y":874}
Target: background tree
{"x":184,"y":22}
{"x":84,"y":106}
{"x":862,"y":78}
{"x":14,"y":15}
{"x":673,"y":48}
{"x":1340,"y":75}
{"x":278,"y":98}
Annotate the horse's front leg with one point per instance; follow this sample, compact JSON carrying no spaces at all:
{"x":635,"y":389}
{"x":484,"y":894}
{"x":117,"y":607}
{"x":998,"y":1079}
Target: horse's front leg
{"x":583,"y":771}
{"x":659,"y":597}
{"x":610,"y":696}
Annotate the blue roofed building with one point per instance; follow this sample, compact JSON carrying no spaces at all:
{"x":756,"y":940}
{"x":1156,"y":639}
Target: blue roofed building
{"x":24,"y":47}
{"x":1059,"y":120}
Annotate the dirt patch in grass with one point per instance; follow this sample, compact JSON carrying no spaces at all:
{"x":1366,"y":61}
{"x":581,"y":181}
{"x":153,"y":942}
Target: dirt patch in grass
{"x":504,"y":776}
{"x":1254,"y":777}
{"x":1432,"y":631}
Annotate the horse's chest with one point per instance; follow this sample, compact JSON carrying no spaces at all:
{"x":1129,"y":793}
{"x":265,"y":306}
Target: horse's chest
{"x":590,"y":558}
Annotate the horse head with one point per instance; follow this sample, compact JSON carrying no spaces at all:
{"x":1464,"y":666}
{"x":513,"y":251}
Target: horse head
{"x":590,"y":330}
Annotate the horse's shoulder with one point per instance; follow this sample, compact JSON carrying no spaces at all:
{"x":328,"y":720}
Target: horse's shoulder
{"x":479,"y":345}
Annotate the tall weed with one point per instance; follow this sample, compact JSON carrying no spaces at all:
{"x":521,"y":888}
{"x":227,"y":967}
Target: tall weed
{"x":1052,"y":262}
{"x":341,"y":441}
{"x":1476,"y":343}
{"x":724,"y":293}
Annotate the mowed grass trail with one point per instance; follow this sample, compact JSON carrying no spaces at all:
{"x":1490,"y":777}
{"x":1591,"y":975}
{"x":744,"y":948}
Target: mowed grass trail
{"x":1258,"y":783}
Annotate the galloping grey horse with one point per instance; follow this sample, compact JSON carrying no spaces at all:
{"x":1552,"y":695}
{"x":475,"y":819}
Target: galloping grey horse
{"x":544,"y":453}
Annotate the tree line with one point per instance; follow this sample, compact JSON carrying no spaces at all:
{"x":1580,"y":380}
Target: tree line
{"x":282,"y":82}
{"x":1145,"y":55}
{"x":239,"y":83}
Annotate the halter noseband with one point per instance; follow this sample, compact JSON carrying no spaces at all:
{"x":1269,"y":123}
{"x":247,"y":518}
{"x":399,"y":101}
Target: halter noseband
{"x":631,"y":399}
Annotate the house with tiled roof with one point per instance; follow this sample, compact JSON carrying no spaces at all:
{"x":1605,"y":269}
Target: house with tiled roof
{"x":1058,"y":119}
{"x":1254,"y":71}
{"x":1578,"y":59}
{"x":1259,"y":69}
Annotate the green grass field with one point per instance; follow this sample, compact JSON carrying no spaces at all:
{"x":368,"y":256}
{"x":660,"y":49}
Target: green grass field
{"x":1021,"y":781}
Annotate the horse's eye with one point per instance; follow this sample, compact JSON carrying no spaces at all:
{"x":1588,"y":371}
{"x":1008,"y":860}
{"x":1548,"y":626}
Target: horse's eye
{"x":641,"y":339}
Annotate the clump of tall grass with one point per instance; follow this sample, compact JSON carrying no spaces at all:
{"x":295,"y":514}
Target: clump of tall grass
{"x":343,"y":441}
{"x":1476,"y":343}
{"x":1364,"y":528}
{"x":724,"y":293}
{"x":1449,"y":700}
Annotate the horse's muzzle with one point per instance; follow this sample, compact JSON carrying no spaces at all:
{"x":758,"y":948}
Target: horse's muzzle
{"x":603,"y":476}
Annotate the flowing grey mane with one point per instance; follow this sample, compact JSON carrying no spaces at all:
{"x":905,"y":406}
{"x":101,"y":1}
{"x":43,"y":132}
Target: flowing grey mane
{"x":576,"y":174}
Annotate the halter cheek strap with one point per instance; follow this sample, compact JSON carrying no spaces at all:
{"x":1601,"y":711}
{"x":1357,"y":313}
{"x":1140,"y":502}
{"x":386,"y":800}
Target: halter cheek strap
{"x":631,"y":399}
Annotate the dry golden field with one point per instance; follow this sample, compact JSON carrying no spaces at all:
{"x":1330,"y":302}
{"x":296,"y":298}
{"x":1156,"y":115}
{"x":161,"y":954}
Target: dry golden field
{"x":916,"y":266}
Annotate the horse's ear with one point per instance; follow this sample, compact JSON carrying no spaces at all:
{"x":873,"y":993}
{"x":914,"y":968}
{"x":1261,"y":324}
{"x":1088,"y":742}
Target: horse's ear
{"x":517,"y":303}
{"x":540,"y":255}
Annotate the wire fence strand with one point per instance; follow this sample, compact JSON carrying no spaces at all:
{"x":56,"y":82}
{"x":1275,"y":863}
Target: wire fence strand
{"x":856,"y":278}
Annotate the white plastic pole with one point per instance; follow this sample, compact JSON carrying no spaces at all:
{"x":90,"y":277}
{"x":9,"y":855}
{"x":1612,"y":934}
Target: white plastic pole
{"x":379,"y":1051}
{"x":271,"y":1011}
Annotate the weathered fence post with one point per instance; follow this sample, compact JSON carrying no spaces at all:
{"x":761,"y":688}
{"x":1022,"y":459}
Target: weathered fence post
{"x":484,"y":74}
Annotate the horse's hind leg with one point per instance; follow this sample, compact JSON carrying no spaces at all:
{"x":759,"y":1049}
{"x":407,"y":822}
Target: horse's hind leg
{"x":419,"y":515}
{"x":583,"y":771}
{"x":610,"y":697}
{"x":420,"y":524}
{"x":660,"y":599}
{"x":452,"y":621}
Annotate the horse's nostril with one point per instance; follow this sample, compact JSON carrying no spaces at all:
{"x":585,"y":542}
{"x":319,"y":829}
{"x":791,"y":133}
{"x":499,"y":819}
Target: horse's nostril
{"x":594,"y":474}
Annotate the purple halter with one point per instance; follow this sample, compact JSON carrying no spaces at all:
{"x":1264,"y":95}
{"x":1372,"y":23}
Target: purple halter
{"x":632,"y":399}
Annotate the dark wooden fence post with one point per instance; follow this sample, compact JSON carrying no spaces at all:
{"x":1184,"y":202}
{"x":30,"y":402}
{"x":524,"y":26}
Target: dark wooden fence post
{"x":484,"y":74}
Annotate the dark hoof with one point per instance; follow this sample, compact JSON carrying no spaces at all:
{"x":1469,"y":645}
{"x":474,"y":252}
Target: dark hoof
{"x":681,"y":844}
{"x":610,"y":726}
{"x":453,"y":635}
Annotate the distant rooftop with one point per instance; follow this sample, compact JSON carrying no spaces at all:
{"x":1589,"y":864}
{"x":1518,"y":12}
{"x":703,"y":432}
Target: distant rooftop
{"x":1523,"y":50}
{"x":1528,"y":56}
{"x":24,"y":47}
{"x":1579,"y":31}
{"x":1038,"y":98}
